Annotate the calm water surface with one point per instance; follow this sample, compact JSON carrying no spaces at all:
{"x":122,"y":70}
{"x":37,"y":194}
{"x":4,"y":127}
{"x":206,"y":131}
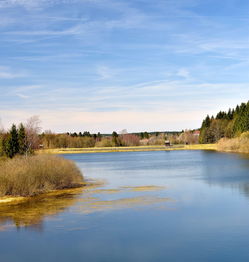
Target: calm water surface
{"x":145,"y":206}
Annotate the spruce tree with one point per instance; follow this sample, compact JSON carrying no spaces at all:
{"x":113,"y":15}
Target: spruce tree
{"x":22,"y":140}
{"x":7,"y":147}
{"x":14,"y":139}
{"x":11,"y":143}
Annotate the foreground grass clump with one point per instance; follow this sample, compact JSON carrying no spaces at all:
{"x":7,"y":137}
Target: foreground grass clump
{"x":32,"y":175}
{"x":239,"y":144}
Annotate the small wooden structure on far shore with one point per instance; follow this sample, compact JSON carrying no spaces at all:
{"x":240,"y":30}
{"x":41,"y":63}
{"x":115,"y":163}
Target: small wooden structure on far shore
{"x":167,"y":143}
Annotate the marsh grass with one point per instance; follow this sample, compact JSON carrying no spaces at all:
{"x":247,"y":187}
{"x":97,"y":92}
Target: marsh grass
{"x":32,"y":175}
{"x":126,"y":149}
{"x":239,"y":144}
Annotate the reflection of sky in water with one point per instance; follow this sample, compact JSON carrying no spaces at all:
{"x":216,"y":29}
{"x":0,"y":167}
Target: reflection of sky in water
{"x":152,"y":206}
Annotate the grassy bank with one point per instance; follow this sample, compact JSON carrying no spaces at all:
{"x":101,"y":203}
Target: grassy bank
{"x":126,"y":149}
{"x":239,"y":144}
{"x":32,"y":175}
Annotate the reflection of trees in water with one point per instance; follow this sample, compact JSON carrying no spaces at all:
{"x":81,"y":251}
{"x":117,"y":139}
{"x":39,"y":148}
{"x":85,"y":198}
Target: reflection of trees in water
{"x":32,"y":212}
{"x":226,"y":170}
{"x":90,"y":199}
{"x":244,"y":188}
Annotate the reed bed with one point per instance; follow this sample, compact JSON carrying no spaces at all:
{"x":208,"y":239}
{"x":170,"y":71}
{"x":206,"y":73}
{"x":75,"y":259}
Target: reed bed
{"x":239,"y":144}
{"x":126,"y":149}
{"x":32,"y":175}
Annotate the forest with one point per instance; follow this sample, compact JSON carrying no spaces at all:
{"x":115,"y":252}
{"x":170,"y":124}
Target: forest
{"x":228,"y":124}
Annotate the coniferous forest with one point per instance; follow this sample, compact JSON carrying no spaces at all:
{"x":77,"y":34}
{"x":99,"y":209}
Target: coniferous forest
{"x":228,"y":124}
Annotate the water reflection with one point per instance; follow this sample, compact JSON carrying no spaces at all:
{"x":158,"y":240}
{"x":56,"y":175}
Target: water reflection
{"x":164,"y":171}
{"x":226,"y":170}
{"x":31,"y":212}
{"x":91,"y":198}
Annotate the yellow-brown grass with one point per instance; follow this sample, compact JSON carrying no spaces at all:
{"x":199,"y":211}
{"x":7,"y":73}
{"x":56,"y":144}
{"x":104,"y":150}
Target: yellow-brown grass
{"x":239,"y":144}
{"x":126,"y":149}
{"x":32,"y":175}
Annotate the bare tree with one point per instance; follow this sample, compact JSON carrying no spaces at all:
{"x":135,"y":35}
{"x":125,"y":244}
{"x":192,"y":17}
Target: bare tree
{"x":1,"y":127}
{"x":32,"y":129}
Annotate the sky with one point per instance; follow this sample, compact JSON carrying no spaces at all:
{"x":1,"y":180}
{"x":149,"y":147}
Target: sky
{"x":105,"y":65}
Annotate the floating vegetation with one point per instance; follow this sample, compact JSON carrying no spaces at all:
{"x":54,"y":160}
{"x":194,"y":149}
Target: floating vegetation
{"x":144,"y":188}
{"x":31,"y":211}
{"x":116,"y":204}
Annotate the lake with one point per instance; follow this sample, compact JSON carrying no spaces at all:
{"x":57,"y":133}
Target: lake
{"x":142,"y":206}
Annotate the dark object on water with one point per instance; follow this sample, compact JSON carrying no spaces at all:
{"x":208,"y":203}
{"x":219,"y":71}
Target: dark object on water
{"x":167,"y":143}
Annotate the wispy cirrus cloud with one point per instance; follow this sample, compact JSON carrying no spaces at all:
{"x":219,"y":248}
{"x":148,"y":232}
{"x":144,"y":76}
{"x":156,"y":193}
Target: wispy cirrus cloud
{"x":26,"y":3}
{"x":23,"y":96}
{"x":104,"y":57}
{"x":7,"y":73}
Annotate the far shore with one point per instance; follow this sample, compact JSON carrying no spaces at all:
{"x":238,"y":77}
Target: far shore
{"x":18,"y":199}
{"x":126,"y":149}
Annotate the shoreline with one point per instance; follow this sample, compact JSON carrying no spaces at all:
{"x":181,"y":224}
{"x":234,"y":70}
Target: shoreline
{"x":126,"y":149}
{"x":16,"y":200}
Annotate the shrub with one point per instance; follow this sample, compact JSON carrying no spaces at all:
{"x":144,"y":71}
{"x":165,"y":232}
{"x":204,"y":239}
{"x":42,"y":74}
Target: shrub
{"x":129,"y":140}
{"x":156,"y":141}
{"x":105,"y":142}
{"x":28,"y":176}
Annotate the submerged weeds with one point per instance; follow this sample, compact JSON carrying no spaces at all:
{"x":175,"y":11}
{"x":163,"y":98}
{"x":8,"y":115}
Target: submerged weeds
{"x":32,"y":175}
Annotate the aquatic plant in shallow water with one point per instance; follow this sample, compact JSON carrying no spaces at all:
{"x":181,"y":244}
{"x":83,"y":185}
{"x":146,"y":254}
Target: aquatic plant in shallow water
{"x":31,"y":212}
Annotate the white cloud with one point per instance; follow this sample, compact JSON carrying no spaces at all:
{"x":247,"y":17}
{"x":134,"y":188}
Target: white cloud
{"x":105,"y":72}
{"x":6,"y":73}
{"x":183,"y":72}
{"x":25,"y":3}
{"x":22,"y":96}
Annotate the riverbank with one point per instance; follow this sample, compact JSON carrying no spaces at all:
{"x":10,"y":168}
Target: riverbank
{"x":236,"y":145}
{"x":16,"y":200}
{"x":126,"y":149}
{"x":10,"y":199}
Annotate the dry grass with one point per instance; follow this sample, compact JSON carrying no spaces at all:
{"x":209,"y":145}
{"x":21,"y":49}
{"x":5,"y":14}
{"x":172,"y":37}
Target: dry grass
{"x":28,"y":176}
{"x":239,"y":144}
{"x":200,"y":147}
{"x":126,"y":149}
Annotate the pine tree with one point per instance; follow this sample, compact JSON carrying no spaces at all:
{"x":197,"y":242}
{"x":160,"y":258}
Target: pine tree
{"x":22,"y":140}
{"x":11,"y":143}
{"x":14,"y":139}
{"x":114,"y":134}
{"x":7,"y":147}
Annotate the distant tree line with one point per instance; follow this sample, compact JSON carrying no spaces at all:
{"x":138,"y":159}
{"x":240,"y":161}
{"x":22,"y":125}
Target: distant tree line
{"x":86,"y":139}
{"x":225,"y":124}
{"x":25,"y":138}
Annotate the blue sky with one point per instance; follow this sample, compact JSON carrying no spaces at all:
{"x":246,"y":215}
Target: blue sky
{"x":104,"y":65}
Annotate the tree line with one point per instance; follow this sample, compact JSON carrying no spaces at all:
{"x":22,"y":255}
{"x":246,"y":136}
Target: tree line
{"x":227,"y":124}
{"x":21,"y":140}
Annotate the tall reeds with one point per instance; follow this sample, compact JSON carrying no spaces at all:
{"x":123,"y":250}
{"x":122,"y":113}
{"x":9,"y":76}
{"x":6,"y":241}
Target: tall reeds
{"x":239,"y":144}
{"x":32,"y":175}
